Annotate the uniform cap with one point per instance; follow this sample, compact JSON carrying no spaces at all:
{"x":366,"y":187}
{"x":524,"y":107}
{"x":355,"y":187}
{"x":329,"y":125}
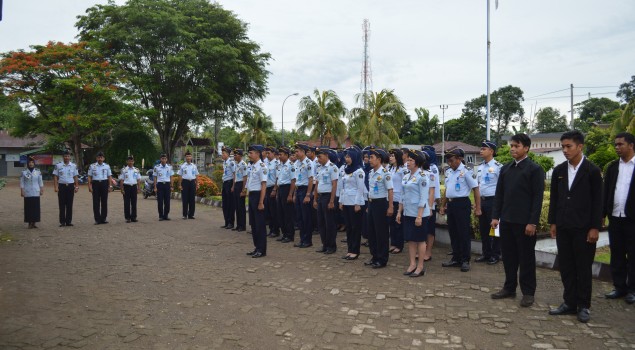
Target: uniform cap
{"x":322,"y":150}
{"x":417,"y":155}
{"x":238,"y":151}
{"x":302,"y":147}
{"x":489,"y":144}
{"x":100,"y":154}
{"x":188,"y":153}
{"x":378,"y":152}
{"x":130,"y":157}
{"x":258,"y":148}
{"x":163,"y":155}
{"x":455,"y":152}
{"x":284,"y":149}
{"x":226,"y":149}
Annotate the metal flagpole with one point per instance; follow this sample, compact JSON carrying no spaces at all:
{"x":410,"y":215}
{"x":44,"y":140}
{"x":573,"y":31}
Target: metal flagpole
{"x":488,"y":74}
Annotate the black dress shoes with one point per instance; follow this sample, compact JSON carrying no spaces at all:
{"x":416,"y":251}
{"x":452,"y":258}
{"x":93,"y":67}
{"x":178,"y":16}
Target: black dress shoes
{"x":329,"y":251}
{"x":304,"y":245}
{"x":322,"y":250}
{"x":69,"y":224}
{"x":415,"y":274}
{"x":258,"y":255}
{"x":408,"y":273}
{"x":465,"y":266}
{"x":128,"y":221}
{"x":224,"y":226}
{"x":377,"y":265}
{"x":481,"y":259}
{"x":273,"y":235}
{"x":493,"y":261}
{"x":369,"y":262}
{"x":229,"y":227}
{"x":252,"y":253}
{"x":134,"y":220}
{"x":614,"y":294}
{"x":451,"y":263}
{"x":527,"y":301}
{"x":352,"y":257}
{"x":630,"y":298}
{"x":502,"y":294}
{"x":563,"y":309}
{"x":584,"y":315}
{"x":286,"y":240}
{"x":62,"y":225}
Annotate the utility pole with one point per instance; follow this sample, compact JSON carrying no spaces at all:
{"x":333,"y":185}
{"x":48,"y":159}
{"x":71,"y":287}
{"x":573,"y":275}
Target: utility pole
{"x":571,"y":106}
{"x":367,"y":80}
{"x":488,"y":74}
{"x":443,"y":108}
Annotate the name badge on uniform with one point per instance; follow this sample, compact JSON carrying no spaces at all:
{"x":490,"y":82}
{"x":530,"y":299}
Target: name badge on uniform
{"x":376,"y":188}
{"x":457,"y":187}
{"x":325,"y":179}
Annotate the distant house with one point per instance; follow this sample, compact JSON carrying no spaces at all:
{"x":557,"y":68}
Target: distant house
{"x":14,"y":151}
{"x":472,"y":153}
{"x":201,"y":148}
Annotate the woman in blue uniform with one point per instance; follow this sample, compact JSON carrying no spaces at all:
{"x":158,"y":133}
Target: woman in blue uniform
{"x":31,"y":188}
{"x":414,"y":210}
{"x":352,"y":201}
{"x":397,"y":171}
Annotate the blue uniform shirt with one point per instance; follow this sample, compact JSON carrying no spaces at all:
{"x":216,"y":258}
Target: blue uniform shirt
{"x":99,"y":172}
{"x":352,"y":188}
{"x":129,"y":175}
{"x":379,"y":183}
{"x":65,"y":172}
{"x":459,"y":182}
{"x":241,"y":171}
{"x":487,"y":176}
{"x":188,"y":171}
{"x":285,"y":173}
{"x":229,"y":168}
{"x":435,"y":178}
{"x":340,"y":177}
{"x":325,"y":174}
{"x":416,"y":186}
{"x":31,"y":182}
{"x":303,"y":170}
{"x":163,"y":173}
{"x":397,"y":175}
{"x":272,"y":172}
{"x":257,"y":174}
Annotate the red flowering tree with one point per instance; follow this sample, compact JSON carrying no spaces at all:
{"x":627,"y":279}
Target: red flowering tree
{"x":70,"y":92}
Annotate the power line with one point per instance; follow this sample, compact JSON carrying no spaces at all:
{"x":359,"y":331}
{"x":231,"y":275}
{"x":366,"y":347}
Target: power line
{"x":548,"y":93}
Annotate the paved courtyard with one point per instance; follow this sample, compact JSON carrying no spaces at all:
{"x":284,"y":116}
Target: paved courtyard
{"x":189,"y":285}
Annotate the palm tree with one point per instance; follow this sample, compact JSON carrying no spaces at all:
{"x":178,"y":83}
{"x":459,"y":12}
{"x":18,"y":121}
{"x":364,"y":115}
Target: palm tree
{"x":322,"y":117}
{"x":380,"y":121}
{"x":258,"y":129}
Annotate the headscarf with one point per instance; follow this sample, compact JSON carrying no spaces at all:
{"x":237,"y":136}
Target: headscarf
{"x":432,"y":154}
{"x":356,"y":157}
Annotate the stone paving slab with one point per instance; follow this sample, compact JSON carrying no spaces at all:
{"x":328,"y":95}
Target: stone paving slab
{"x":189,"y":285}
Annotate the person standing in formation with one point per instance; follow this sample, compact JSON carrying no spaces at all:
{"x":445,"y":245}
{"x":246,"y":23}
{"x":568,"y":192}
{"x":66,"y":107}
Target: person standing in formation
{"x":324,"y":200}
{"x":66,"y":184}
{"x":304,"y":187}
{"x":31,"y":188}
{"x":285,"y":186}
{"x":272,"y":164}
{"x":239,"y":191}
{"x":162,"y":186}
{"x":517,"y":206}
{"x":352,"y":201}
{"x":99,"y":184}
{"x":229,"y":168}
{"x":188,"y":186}
{"x":380,"y":206}
{"x":487,"y":176}
{"x":130,"y":184}
{"x":257,"y":188}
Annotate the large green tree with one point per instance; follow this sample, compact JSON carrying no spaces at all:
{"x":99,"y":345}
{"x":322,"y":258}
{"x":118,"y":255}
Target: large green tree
{"x":380,"y":121}
{"x":69,"y":90}
{"x":506,"y":108}
{"x":626,"y":93}
{"x":258,"y":129}
{"x":425,"y":130}
{"x":10,"y":112}
{"x":187,"y":60}
{"x":469,"y":128}
{"x":594,"y":108}
{"x":549,"y":119}
{"x":321,"y":116}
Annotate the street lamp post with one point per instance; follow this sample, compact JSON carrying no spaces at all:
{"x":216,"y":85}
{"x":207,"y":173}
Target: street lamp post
{"x":443,"y":108}
{"x":285,"y":100}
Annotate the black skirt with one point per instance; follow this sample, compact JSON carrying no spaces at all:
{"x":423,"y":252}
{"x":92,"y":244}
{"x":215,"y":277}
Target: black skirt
{"x":31,"y":209}
{"x":412,"y":232}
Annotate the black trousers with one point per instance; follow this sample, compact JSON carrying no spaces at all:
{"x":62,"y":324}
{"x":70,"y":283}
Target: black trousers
{"x":519,"y":258}
{"x":65,"y":195}
{"x":100,"y":200}
{"x":228,"y":202}
{"x":163,"y":199}
{"x":257,"y":222}
{"x":622,"y":241}
{"x":459,"y":211}
{"x":130,"y":202}
{"x":396,"y":232}
{"x":353,"y":227}
{"x":188,"y":197}
{"x":241,"y":211}
{"x":285,"y":212}
{"x":365,"y":220}
{"x":270,"y":211}
{"x":491,"y":245}
{"x":575,"y":258}
{"x":304,"y":216}
{"x":378,"y":238}
{"x":326,"y":222}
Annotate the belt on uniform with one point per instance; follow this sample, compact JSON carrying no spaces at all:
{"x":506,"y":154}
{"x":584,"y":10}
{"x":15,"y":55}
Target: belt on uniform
{"x":324,"y":194}
{"x":377,"y":199}
{"x":66,"y":184}
{"x":285,"y":185}
{"x":189,"y":179}
{"x":99,"y":180}
{"x":486,"y":198}
{"x":458,"y":199}
{"x":301,"y":187}
{"x":129,"y":185}
{"x":163,"y":182}
{"x":230,"y":180}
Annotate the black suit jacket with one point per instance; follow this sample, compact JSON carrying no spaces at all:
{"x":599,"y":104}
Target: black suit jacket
{"x":519,"y":193}
{"x":581,"y":206}
{"x":610,"y":181}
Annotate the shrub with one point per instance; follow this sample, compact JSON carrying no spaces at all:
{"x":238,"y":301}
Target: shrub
{"x":206,"y":187}
{"x":217,"y":176}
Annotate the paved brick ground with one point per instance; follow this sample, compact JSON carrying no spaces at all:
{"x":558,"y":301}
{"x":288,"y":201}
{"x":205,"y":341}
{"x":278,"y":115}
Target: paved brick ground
{"x":188,"y":285}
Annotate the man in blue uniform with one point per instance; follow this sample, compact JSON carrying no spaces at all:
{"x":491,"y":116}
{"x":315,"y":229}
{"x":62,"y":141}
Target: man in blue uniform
{"x":130,"y":184}
{"x":380,"y":208}
{"x":162,"y":186}
{"x":324,"y":200}
{"x":188,"y":186}
{"x":229,"y":168}
{"x":487,"y":176}
{"x":66,"y":185}
{"x":285,"y":186}
{"x":257,"y":188}
{"x":270,"y":201}
{"x":304,"y":187}
{"x":459,"y":181}
{"x":240,"y":191}
{"x":99,"y":184}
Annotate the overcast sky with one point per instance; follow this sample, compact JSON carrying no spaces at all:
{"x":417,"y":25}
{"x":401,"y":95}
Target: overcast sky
{"x":429,"y":52}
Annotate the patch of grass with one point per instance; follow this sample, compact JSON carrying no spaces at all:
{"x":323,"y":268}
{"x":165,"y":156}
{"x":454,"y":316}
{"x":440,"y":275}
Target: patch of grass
{"x":603,"y":255}
{"x":5,"y":237}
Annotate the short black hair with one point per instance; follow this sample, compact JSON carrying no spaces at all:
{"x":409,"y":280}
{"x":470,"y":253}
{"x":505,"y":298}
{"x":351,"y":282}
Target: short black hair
{"x":573,"y":135}
{"x":522,"y":139}
{"x":627,"y":136}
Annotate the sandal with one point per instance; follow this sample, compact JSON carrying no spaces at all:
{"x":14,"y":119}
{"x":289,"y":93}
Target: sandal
{"x":396,"y":251}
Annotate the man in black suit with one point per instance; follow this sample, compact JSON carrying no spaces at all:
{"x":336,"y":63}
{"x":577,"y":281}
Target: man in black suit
{"x":517,"y":206}
{"x":575,"y":215}
{"x":619,"y":206}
